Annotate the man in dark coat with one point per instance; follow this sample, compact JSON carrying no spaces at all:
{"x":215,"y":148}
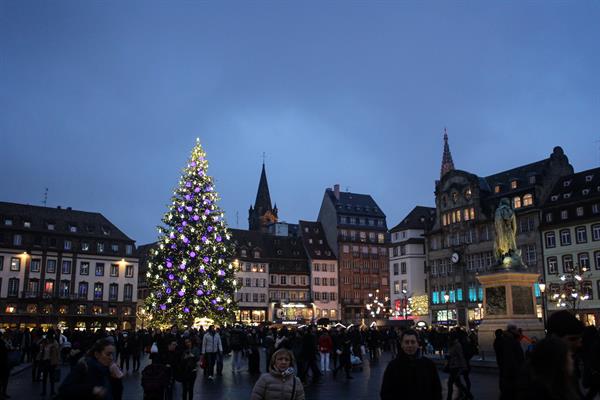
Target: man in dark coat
{"x":512,"y":360}
{"x":410,"y":376}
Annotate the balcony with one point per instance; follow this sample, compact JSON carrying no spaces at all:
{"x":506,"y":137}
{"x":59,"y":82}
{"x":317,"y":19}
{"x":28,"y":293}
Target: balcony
{"x":31,"y":294}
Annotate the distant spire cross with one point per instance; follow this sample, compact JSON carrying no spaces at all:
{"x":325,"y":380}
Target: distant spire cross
{"x":264,"y":156}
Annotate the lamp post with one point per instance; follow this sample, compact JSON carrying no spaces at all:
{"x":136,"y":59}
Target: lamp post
{"x":542,"y":287}
{"x":447,"y":299}
{"x":480,"y":307}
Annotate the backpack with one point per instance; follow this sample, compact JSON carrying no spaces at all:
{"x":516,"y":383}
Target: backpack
{"x":154,"y":378}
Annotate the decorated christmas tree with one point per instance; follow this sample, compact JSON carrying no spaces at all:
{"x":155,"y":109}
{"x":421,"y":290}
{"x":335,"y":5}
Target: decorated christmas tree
{"x":189,"y":271}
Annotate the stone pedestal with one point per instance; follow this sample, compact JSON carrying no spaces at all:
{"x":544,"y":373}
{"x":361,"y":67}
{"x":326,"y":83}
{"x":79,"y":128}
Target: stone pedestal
{"x":508,"y":298}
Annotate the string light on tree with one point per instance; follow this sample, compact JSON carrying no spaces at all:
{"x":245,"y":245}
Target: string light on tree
{"x":188,"y":275}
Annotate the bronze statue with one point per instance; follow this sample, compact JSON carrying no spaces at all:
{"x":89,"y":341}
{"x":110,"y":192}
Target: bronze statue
{"x":505,"y":224}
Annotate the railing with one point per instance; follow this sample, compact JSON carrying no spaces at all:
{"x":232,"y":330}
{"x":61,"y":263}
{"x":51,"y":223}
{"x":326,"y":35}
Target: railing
{"x":31,"y":294}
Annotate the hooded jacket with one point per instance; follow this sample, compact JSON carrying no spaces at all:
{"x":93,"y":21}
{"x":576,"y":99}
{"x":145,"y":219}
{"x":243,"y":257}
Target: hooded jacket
{"x":276,"y":385}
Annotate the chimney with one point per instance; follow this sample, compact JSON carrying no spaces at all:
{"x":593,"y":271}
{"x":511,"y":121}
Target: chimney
{"x":336,"y":191}
{"x":69,"y":208}
{"x":59,"y":207}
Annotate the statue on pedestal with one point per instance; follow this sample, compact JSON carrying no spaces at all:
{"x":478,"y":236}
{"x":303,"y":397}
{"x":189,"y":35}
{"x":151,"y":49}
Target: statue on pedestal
{"x":505,"y":246}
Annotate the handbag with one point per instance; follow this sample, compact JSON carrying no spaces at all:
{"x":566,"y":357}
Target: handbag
{"x":202,"y":361}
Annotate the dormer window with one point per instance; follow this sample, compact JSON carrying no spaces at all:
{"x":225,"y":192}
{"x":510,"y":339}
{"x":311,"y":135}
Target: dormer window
{"x":532,"y":179}
{"x":50,"y":226}
{"x":517,"y":202}
{"x":243,"y":253}
{"x":497,"y":189}
{"x":468,"y":194}
{"x":105,"y":230}
{"x":310,"y":241}
{"x":73,"y":228}
{"x":26,"y":224}
{"x":256,"y":254}
{"x":554,"y":197}
{"x":8,"y":222}
{"x":513,"y":184}
{"x":567,"y":183}
{"x":588,"y":178}
{"x":585,"y":192}
{"x":306,"y":229}
{"x":454,"y":197}
{"x":567,"y":195}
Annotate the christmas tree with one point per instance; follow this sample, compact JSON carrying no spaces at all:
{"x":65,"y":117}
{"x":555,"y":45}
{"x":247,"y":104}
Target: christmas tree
{"x":189,"y":271}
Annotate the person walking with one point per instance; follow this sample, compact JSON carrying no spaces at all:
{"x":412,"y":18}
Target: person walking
{"x":344,"y":356}
{"x":415,"y":376}
{"x":49,"y":360}
{"x":237,"y":339}
{"x":211,"y":345}
{"x":253,"y":354}
{"x":456,"y":365}
{"x":280,"y":382}
{"x":155,"y":378}
{"x":189,"y":365}
{"x":90,"y":379}
{"x":511,"y":364}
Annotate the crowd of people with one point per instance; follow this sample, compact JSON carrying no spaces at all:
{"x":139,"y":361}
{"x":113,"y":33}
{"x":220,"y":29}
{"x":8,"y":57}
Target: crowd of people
{"x":564,"y":365}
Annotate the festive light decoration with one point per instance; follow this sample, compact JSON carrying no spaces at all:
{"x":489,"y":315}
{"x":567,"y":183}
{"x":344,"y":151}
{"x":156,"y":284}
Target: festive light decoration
{"x":575,"y":288}
{"x":377,"y":308}
{"x":419,"y":305}
{"x":189,"y":275}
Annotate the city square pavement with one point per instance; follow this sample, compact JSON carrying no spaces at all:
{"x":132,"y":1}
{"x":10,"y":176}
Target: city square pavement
{"x":365,"y":385}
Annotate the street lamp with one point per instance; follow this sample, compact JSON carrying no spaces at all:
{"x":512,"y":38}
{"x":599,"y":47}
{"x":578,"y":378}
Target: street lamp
{"x":542,"y":287}
{"x":480,"y":307}
{"x":447,"y":299}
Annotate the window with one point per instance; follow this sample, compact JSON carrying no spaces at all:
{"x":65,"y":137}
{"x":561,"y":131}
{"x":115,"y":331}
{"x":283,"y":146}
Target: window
{"x":49,"y":287}
{"x":579,"y":211}
{"x":513,"y":184}
{"x":1,"y":263}
{"x":282,"y":279}
{"x":596,"y":232}
{"x":549,"y":217}
{"x":100,"y":247}
{"x":67,"y":245}
{"x":567,"y":183}
{"x":584,"y":260}
{"x":128,"y":249}
{"x":565,"y":237}
{"x":129,"y":271}
{"x":50,"y":226}
{"x":530,"y":254}
{"x":567,"y":261}
{"x":564,"y":214}
{"x":35,"y":265}
{"x":114,"y":269}
{"x":248,"y":282}
{"x":395,"y":268}
{"x":595,"y":208}
{"x":128,"y":292}
{"x":98,"y":291}
{"x":8,"y":222}
{"x":317,"y":281}
{"x":403,"y":268}
{"x":527,"y":200}
{"x":113,"y":292}
{"x":581,"y":234}
{"x":13,"y":287}
{"x":84,"y":268}
{"x":517,"y":202}
{"x":66,"y":267}
{"x":65,"y":288}
{"x":114,"y":247}
{"x":550,"y":240}
{"x":17,"y":240}
{"x":83,"y":290}
{"x":263,"y":298}
{"x":99,"y":269}
{"x":50,"y":266}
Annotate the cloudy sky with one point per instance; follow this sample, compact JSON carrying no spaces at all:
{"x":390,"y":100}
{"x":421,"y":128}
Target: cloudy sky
{"x":101,"y":102}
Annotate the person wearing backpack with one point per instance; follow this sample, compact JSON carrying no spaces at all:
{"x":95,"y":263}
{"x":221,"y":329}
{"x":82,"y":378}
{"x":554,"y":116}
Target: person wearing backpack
{"x":155,"y":378}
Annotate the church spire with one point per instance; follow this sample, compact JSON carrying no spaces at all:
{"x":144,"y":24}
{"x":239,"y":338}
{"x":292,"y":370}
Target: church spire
{"x":263,"y":198}
{"x":447,"y":163}
{"x":263,"y":213}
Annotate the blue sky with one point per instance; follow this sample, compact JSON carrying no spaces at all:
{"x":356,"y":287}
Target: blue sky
{"x":101,"y":101}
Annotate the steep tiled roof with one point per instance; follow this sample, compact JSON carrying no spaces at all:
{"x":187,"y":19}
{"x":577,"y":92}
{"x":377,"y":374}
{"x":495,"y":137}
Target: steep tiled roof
{"x":419,"y":218}
{"x":315,"y":242}
{"x":354,"y":203}
{"x":577,"y":187}
{"x":88,"y":224}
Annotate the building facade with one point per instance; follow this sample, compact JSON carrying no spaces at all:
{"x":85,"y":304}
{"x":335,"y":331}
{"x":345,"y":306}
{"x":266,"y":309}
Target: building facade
{"x":408,"y":265}
{"x":65,"y":267}
{"x":323,"y":269}
{"x":252,"y":274}
{"x":570,"y":230}
{"x":460,"y":243}
{"x":355,"y":227}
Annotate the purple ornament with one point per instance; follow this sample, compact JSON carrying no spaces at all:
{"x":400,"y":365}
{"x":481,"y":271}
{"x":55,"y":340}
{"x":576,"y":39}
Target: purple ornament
{"x":204,"y":239}
{"x":188,"y":184}
{"x":193,"y":163}
{"x":206,"y":212}
{"x":197,"y":189}
{"x":163,"y":307}
{"x":182,"y":266}
{"x":221,"y":272}
{"x":195,"y":217}
{"x":173,"y":246}
{"x":201,"y":269}
{"x":201,"y":173}
{"x":199,"y":292}
{"x":192,"y":254}
{"x":209,"y":188}
{"x":186,"y":240}
{"x":181,"y":293}
{"x":169,"y":264}
{"x":172,"y":235}
{"x":171,"y":277}
{"x":184,"y":223}
{"x":206,"y":259}
{"x":168,"y":291}
{"x":188,"y":197}
{"x":219,"y":238}
{"x":179,"y":229}
{"x":180,"y":209}
{"x":186,"y":310}
{"x":210,"y":229}
{"x":220,"y":308}
{"x":189,"y":208}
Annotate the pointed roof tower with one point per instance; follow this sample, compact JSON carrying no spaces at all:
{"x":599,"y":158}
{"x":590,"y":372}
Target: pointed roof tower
{"x":263,"y":213}
{"x":447,"y":163}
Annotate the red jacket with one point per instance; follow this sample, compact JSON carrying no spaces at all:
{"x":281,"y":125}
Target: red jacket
{"x":325,"y":344}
